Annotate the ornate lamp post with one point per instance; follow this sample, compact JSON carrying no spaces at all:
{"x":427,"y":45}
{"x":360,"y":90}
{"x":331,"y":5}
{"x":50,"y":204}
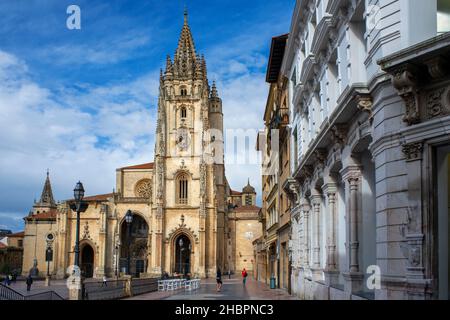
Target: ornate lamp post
{"x":129,"y":220}
{"x":180,"y":243}
{"x":78,"y":206}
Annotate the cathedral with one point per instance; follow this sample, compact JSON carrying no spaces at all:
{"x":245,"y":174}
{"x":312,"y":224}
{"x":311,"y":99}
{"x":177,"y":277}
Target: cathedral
{"x":185,"y":217}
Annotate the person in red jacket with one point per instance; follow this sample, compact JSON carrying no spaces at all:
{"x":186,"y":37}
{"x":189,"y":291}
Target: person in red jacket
{"x":244,"y":276}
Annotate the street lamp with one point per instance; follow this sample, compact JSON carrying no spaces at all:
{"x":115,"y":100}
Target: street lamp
{"x":129,"y":220}
{"x":180,"y":243}
{"x":79,"y":206}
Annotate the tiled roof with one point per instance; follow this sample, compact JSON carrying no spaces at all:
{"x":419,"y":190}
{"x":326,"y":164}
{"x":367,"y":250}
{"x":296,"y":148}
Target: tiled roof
{"x":149,"y":165}
{"x":99,"y":197}
{"x":17,"y":235}
{"x":236,"y":193}
{"x":247,"y":209}
{"x":51,"y":214}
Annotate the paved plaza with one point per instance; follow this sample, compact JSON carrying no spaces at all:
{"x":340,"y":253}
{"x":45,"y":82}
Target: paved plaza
{"x":232,"y":289}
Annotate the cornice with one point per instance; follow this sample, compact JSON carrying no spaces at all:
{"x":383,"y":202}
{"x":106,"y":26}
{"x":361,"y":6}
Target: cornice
{"x":322,"y":34}
{"x":307,"y":69}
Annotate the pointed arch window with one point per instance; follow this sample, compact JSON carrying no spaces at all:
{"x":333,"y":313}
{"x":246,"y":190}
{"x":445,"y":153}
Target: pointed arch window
{"x":182,"y":188}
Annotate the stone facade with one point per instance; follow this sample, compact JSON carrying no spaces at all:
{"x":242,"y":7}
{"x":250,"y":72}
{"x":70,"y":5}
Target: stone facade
{"x":11,"y":252}
{"x":243,"y":228}
{"x":368,"y":149}
{"x":272,"y":249}
{"x":179,"y":202}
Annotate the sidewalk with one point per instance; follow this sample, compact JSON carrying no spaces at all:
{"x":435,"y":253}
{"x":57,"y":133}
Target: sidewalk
{"x":232,"y":289}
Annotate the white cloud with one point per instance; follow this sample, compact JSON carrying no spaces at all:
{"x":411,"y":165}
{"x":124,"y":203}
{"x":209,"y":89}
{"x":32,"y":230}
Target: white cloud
{"x":78,"y":134}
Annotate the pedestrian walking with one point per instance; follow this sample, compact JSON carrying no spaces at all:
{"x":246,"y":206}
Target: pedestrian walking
{"x":29,"y":282}
{"x":104,"y":283}
{"x":8,"y":279}
{"x":244,"y":276}
{"x":219,"y":279}
{"x":229,"y":274}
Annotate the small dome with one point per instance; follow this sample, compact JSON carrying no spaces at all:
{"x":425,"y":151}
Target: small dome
{"x":248,"y":188}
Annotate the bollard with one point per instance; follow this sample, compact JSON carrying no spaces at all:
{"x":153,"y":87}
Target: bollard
{"x":128,"y":289}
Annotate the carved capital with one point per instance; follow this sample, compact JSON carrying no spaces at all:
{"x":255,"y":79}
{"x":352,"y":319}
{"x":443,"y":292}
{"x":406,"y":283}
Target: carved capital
{"x":413,"y":151}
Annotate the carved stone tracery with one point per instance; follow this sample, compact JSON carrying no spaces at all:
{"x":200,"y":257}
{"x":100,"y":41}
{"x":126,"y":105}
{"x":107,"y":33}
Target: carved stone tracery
{"x":144,"y":189}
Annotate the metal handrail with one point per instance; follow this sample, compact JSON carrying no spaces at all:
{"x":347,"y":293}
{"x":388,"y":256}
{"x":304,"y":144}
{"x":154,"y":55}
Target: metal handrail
{"x":7,"y":293}
{"x":39,"y":296}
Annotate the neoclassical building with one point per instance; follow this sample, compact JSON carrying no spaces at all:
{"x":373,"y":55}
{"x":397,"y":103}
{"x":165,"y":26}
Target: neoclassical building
{"x":369,"y":99}
{"x":180,"y":202}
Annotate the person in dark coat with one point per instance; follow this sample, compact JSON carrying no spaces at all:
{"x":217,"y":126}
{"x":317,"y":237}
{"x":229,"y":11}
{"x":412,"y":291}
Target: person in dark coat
{"x":219,"y":279}
{"x":29,"y":282}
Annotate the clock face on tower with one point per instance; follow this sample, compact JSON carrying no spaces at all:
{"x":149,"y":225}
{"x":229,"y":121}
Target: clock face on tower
{"x":183,"y":139}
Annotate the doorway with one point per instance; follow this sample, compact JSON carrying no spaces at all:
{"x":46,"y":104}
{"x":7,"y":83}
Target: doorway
{"x":134,"y":249}
{"x":442,"y":222}
{"x":87,"y":261}
{"x":183,"y":249}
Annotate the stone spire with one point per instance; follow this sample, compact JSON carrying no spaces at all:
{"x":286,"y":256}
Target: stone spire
{"x":214,"y":93}
{"x":185,"y":56}
{"x":47,"y":194}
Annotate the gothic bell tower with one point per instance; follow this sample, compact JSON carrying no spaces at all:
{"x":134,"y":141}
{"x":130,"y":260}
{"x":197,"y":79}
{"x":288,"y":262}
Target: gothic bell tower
{"x":188,"y":185}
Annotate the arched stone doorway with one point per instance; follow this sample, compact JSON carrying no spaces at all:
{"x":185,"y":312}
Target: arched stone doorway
{"x":87,"y":261}
{"x":134,"y":246}
{"x":183,"y":250}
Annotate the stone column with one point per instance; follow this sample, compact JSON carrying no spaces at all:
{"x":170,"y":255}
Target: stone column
{"x":159,"y":243}
{"x":354,"y":239}
{"x":316,"y":201}
{"x":414,"y":251}
{"x":331,"y":272}
{"x":354,"y":278}
{"x":305,"y":208}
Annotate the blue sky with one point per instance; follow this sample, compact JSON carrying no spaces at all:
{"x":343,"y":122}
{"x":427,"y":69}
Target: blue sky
{"x":82,"y":102}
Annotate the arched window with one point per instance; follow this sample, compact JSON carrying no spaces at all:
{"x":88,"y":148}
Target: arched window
{"x":183,"y":91}
{"x":183,"y":113}
{"x":182,"y":189}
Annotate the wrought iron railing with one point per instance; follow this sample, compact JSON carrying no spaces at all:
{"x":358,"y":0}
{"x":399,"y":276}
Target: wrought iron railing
{"x":7,"y":293}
